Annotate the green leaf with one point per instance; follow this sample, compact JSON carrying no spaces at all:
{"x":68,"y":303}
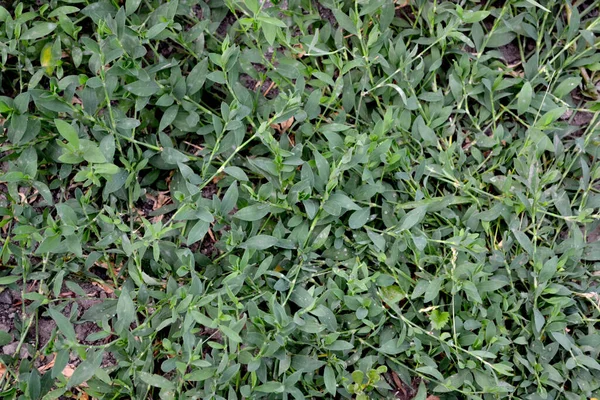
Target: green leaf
{"x":237,"y":173}
{"x":253,"y":212}
{"x":156,"y":380}
{"x":439,"y":319}
{"x":131,"y":6}
{"x":172,"y":156}
{"x":392,"y":294}
{"x":143,"y":88}
{"x":340,"y":345}
{"x":538,"y":320}
{"x":230,"y":333}
{"x":551,"y":116}
{"x":63,"y":324}
{"x":358,"y":376}
{"x":7,"y":280}
{"x":259,"y":242}
{"x":330,"y":382}
{"x":50,"y":244}
{"x":195,"y":80}
{"x":471,"y":16}
{"x":39,"y":30}
{"x":201,"y":374}
{"x":271,"y":387}
{"x":270,"y":32}
{"x":91,"y":152}
{"x":344,"y":21}
{"x":198,"y":231}
{"x":524,"y":241}
{"x":524,"y":98}
{"x":68,"y":132}
{"x":168,"y":117}
{"x":5,"y":338}
{"x":359,"y":218}
{"x":128,"y":123}
{"x":412,"y":218}
{"x":567,"y":86}
{"x":230,"y":199}
{"x":217,"y":77}
{"x":125,"y":311}
{"x":433,"y":290}
{"x":34,"y":384}
{"x":535,"y":3}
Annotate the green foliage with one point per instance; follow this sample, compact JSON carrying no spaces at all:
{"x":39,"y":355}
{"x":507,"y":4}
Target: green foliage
{"x":301,"y":199}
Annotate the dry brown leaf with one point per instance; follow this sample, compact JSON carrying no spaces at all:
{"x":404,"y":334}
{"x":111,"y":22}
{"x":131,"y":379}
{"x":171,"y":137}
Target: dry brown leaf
{"x":47,"y":366}
{"x":283,"y":126}
{"x":432,"y":397}
{"x":68,"y":371}
{"x":217,"y":178}
{"x":2,"y":370}
{"x":104,"y":287}
{"x":398,"y":382}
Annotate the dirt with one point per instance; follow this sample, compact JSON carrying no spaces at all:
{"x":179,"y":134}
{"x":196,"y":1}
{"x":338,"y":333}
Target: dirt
{"x":144,"y":206}
{"x":209,"y":191}
{"x":510,"y":53}
{"x":582,"y":118}
{"x":578,"y":119}
{"x":166,"y":48}
{"x":10,"y":307}
{"x":594,"y":235}
{"x":266,"y":88}
{"x":198,"y":11}
{"x":7,"y":311}
{"x":229,"y":20}
{"x":327,"y":14}
{"x":208,"y":247}
{"x":282,"y":5}
{"x":594,"y":12}
{"x":403,"y":391}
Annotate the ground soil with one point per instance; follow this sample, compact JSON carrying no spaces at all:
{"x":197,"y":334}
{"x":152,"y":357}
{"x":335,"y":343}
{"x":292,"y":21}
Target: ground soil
{"x":11,"y":308}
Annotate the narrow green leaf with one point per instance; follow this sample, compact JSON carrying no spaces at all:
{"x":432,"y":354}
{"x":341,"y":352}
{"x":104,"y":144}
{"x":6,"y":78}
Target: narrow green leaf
{"x":68,"y":132}
{"x":197,"y":232}
{"x":260,"y":242}
{"x":156,"y":381}
{"x":125,"y":311}
{"x":330,"y":382}
{"x":63,"y":324}
{"x":253,"y":212}
{"x":39,"y":30}
{"x":143,"y":88}
{"x":524,"y":98}
{"x":271,"y":387}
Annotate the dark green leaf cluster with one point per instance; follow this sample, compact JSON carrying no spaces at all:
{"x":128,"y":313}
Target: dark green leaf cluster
{"x":253,"y":199}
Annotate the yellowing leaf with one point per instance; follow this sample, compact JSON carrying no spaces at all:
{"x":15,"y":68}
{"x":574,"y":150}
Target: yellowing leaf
{"x":46,"y":59}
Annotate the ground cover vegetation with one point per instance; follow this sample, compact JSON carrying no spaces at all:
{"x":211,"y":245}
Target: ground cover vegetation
{"x":299,"y":199}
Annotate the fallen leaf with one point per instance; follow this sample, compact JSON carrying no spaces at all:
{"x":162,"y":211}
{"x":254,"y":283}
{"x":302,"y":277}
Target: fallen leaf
{"x":68,"y":371}
{"x":47,"y":366}
{"x":104,"y":287}
{"x":283,"y":126}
